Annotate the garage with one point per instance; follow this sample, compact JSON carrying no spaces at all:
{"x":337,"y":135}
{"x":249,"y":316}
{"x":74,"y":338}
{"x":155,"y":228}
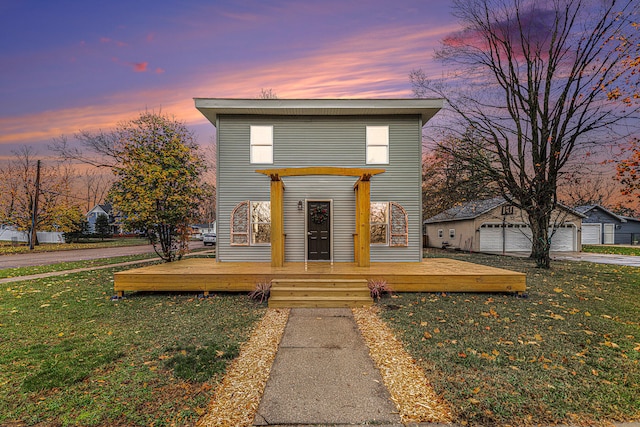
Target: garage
{"x":494,"y":225}
{"x":591,"y":234}
{"x":517,"y":238}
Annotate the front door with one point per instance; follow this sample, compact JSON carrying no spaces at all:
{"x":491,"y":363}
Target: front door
{"x":318,"y":231}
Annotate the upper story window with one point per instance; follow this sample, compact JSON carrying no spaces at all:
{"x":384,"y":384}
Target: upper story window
{"x":261,"y":144}
{"x":377,"y":145}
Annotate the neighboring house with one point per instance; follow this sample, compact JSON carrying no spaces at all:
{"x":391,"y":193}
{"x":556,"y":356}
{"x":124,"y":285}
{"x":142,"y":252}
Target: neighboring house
{"x":199,"y":229}
{"x":103,"y":209}
{"x":602,"y":226}
{"x":494,"y":225}
{"x":319,"y":180}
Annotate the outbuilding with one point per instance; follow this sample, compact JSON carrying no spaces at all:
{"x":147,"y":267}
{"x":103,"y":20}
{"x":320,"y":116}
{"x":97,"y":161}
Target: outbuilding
{"x":494,"y":225}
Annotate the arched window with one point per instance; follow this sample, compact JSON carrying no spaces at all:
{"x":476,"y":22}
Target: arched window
{"x":399,"y":225}
{"x":389,"y":224}
{"x":240,"y":224}
{"x":251,"y":224}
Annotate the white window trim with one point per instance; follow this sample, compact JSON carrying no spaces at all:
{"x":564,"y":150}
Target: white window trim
{"x":440,"y":233}
{"x":251,"y":224}
{"x":452,"y":233}
{"x":371,"y":143}
{"x":253,"y":133}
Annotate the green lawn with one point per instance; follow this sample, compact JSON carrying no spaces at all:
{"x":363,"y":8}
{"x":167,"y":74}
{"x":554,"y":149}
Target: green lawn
{"x":7,"y":248}
{"x":70,"y":356}
{"x":616,"y":250}
{"x":569,"y":353}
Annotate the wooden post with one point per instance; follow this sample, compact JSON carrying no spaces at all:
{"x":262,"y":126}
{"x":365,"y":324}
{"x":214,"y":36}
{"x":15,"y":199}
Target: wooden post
{"x":356,"y":236}
{"x":277,"y":222}
{"x":363,"y":207}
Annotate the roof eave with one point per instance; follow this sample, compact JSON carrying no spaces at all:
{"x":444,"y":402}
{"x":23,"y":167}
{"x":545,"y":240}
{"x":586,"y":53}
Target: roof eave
{"x":211,"y":108}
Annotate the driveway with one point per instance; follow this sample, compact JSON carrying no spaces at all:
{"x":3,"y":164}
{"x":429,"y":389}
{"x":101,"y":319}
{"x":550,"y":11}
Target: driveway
{"x":632,"y":261}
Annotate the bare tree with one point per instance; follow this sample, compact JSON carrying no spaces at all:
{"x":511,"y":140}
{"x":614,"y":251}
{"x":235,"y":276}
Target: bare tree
{"x":533,"y":78}
{"x":96,"y":184}
{"x":449,"y":178}
{"x":29,"y":203}
{"x":267,"y":94}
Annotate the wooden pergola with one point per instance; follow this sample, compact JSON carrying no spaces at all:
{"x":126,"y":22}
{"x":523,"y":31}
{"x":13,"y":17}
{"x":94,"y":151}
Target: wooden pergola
{"x":362,"y":188}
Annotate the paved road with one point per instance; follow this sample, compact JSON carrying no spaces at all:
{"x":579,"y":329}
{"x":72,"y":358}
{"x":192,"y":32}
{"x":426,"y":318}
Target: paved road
{"x":632,"y":261}
{"x":46,"y":258}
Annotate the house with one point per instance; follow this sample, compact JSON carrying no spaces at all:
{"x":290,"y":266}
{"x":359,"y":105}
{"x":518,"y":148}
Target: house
{"x":494,"y":225}
{"x":102,"y":209}
{"x":335,"y":180}
{"x":601,"y":226}
{"x":317,"y":198}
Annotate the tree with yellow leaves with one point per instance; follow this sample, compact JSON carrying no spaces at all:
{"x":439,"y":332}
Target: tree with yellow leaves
{"x":157,"y":188}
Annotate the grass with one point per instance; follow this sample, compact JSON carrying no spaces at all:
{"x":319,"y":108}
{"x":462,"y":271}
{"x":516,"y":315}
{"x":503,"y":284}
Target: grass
{"x":569,"y":353}
{"x":7,"y":248}
{"x":615,"y":250}
{"x":70,"y":356}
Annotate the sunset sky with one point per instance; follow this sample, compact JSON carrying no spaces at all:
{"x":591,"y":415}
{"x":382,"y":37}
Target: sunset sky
{"x":68,"y":65}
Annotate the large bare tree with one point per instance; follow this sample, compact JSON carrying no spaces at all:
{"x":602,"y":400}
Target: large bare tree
{"x":534,"y":78}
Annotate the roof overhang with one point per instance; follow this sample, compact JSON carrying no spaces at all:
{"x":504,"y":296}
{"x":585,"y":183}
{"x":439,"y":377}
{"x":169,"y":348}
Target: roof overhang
{"x":211,"y":108}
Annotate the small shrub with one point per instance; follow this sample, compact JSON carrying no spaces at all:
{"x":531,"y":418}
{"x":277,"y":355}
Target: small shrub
{"x":379,"y":287}
{"x":261,"y":292}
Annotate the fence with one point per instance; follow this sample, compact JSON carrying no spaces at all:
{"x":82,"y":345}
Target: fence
{"x":22,"y":236}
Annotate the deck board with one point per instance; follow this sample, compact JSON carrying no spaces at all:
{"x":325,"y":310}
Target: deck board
{"x":430,"y":275}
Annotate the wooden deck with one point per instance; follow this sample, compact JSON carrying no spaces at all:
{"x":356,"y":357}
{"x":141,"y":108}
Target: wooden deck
{"x":430,"y":275}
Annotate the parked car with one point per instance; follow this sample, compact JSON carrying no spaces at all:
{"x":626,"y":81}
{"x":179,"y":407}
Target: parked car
{"x":209,"y":239}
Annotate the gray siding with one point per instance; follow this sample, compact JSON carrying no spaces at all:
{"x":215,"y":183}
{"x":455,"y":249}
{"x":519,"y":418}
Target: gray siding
{"x":625,"y":232}
{"x":319,"y":141}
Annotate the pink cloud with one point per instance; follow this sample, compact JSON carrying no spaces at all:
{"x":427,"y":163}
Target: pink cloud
{"x":159,"y":70}
{"x":140,"y":67}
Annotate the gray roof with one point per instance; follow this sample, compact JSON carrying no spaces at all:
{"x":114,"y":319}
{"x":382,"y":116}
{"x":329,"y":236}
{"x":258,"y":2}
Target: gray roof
{"x":468,"y":210}
{"x":586,"y":208}
{"x":475,"y":208}
{"x":212,"y":107}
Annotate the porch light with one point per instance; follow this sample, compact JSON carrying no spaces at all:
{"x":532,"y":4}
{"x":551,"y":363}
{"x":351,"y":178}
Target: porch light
{"x":299,"y":205}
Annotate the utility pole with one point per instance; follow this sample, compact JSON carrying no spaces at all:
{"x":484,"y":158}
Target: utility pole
{"x":34,"y":213}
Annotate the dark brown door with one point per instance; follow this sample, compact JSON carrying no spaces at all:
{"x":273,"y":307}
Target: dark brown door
{"x":318,"y":231}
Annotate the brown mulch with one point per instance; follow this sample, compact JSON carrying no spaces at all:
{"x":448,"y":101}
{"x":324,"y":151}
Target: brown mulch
{"x":409,"y":389}
{"x":237,"y":398}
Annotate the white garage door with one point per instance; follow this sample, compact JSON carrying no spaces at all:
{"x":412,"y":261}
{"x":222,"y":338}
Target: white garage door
{"x":517,"y":238}
{"x":563,"y":239}
{"x":591,"y":234}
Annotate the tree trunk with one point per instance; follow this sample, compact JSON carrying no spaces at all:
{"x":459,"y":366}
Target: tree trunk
{"x":540,"y":239}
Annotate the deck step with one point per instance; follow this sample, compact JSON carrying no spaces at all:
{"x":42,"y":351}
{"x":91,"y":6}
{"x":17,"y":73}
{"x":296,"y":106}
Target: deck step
{"x":319,"y":293}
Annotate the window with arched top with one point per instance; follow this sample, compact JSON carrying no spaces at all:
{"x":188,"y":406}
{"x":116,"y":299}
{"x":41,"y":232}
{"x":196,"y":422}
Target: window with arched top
{"x":251,"y":224}
{"x":240,"y":224}
{"x":389,"y":224}
{"x":399,"y":225}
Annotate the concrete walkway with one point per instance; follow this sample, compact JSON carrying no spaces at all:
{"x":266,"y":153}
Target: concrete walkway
{"x":323,"y":375}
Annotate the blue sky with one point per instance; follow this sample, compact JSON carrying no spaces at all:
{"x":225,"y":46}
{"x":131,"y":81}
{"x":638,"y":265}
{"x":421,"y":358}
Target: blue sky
{"x":72,"y":65}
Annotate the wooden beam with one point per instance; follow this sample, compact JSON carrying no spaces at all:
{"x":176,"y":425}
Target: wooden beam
{"x":363,"y":173}
{"x":277,"y":224}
